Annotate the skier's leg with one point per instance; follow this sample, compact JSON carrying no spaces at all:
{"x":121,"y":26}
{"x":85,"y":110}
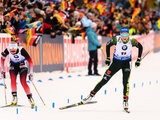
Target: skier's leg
{"x":13,"y":75}
{"x":23,"y":75}
{"x":126,"y":70}
{"x":114,"y":67}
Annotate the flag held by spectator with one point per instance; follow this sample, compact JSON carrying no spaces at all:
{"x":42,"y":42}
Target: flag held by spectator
{"x":34,"y":24}
{"x":61,"y":17}
{"x":14,"y":36}
{"x":13,"y":12}
{"x":32,"y":38}
{"x":132,"y":3}
{"x":136,"y":12}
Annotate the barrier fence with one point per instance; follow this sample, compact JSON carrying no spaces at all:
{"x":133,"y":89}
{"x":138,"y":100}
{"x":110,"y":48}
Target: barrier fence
{"x":4,"y":42}
{"x":60,"y":53}
{"x":76,"y":54}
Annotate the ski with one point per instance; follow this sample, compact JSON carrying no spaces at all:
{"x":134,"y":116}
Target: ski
{"x":11,"y":106}
{"x":76,"y":104}
{"x":126,"y":110}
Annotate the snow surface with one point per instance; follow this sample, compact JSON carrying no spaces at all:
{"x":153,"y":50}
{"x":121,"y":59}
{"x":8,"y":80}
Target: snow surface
{"x":144,"y":99}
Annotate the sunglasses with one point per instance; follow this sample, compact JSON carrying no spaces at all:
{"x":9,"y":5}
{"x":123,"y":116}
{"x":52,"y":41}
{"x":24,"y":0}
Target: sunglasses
{"x":124,"y":35}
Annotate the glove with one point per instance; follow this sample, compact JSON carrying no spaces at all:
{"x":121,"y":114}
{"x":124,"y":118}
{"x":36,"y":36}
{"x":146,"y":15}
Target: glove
{"x":30,"y":76}
{"x":137,"y":63}
{"x":108,"y":61}
{"x":3,"y":74}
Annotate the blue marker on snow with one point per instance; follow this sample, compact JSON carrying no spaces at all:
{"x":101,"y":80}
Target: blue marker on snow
{"x":79,"y":75}
{"x":36,"y":108}
{"x":39,"y":81}
{"x":81,"y":97}
{"x":105,"y":92}
{"x":142,"y":84}
{"x":50,"y":79}
{"x":53,"y":105}
{"x":60,"y":77}
{"x":69,"y":76}
{"x":150,"y":82}
{"x":17,"y":110}
{"x":134,"y":85}
{"x":68,"y":101}
{"x":115,"y":89}
{"x":28,"y":82}
{"x":1,"y":84}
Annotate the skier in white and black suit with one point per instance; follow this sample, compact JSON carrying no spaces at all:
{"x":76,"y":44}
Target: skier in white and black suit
{"x":18,"y":65}
{"x":121,"y":60}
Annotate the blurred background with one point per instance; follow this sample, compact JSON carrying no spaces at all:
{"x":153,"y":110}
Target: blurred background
{"x":51,"y":30}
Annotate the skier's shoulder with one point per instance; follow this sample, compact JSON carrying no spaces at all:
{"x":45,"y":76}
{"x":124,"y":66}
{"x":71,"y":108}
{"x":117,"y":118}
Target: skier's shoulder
{"x":115,"y":39}
{"x":133,"y":41}
{"x":5,"y":52}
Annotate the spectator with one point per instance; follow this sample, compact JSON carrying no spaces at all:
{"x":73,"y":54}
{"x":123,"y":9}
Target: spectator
{"x":93,"y":45}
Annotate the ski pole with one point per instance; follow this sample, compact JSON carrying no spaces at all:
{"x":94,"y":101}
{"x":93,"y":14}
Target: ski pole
{"x":38,"y":92}
{"x":103,"y":55}
{"x":103,"y":52}
{"x":146,"y":54}
{"x":5,"y":87}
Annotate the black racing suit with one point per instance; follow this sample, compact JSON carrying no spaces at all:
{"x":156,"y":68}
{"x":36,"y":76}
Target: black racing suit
{"x":115,"y":66}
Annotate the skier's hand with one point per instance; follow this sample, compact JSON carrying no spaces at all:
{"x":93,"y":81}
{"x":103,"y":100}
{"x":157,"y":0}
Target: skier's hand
{"x":3,"y":74}
{"x":108,"y":61}
{"x":138,"y":62}
{"x":30,"y":76}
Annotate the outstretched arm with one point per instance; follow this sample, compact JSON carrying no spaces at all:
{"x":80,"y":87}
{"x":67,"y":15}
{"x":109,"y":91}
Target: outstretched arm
{"x":140,"y":50}
{"x":139,"y":46}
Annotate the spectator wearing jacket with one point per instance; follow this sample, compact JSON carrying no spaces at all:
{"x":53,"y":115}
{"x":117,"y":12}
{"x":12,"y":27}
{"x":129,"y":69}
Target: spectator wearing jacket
{"x":93,"y":45}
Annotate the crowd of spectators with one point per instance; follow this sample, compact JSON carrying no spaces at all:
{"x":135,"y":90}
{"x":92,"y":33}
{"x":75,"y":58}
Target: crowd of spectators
{"x":73,"y":16}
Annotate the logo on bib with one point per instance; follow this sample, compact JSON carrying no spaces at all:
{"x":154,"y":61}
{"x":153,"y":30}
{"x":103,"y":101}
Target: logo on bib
{"x":124,"y":47}
{"x":16,"y":56}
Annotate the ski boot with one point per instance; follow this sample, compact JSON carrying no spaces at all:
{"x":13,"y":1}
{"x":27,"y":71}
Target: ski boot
{"x":125,"y":104}
{"x":31,"y":101}
{"x":88,"y":98}
{"x":15,"y":99}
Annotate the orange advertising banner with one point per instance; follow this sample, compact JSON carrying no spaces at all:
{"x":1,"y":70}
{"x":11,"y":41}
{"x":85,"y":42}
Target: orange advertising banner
{"x":51,"y":56}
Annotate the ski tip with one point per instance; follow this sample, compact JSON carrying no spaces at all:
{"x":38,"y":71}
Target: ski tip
{"x":61,"y":108}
